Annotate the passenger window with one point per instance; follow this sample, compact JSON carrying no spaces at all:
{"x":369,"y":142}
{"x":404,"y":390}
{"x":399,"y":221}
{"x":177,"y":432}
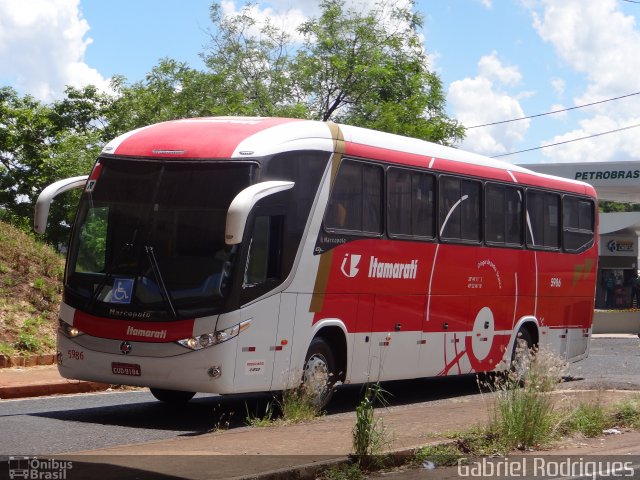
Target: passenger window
{"x":503,"y":215}
{"x":543,"y":220}
{"x":356,"y":199}
{"x":460,"y":209}
{"x":411,"y":203}
{"x":577,"y":224}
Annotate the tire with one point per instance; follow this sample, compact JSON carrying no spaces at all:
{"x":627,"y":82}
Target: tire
{"x":521,"y":355}
{"x":172,"y":397}
{"x":319,"y":373}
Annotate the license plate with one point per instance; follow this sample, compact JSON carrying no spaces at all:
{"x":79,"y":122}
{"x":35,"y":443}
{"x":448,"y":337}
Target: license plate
{"x":130,"y":369}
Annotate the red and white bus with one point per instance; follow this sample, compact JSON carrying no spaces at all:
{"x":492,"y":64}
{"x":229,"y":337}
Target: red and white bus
{"x":232,"y":255}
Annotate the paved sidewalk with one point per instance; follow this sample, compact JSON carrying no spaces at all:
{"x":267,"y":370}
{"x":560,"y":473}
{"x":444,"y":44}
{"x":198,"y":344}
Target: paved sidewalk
{"x":40,"y":381}
{"x":298,"y":451}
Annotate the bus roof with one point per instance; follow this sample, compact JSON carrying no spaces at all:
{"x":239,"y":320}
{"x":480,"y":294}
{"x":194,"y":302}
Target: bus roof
{"x":251,"y":137}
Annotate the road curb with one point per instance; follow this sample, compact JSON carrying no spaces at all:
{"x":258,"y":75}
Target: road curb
{"x":310,"y":471}
{"x":58,"y":388}
{"x":26,"y":360}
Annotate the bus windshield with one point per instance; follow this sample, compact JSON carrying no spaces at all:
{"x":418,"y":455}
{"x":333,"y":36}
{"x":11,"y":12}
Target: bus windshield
{"x":149,"y":238}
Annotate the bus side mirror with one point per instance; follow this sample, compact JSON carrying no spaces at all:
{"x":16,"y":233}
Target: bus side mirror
{"x":46,"y":197}
{"x":241,"y":206}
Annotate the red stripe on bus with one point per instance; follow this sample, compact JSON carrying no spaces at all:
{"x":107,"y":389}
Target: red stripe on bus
{"x":154,"y":332}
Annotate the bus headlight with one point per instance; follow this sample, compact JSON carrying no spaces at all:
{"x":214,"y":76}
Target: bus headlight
{"x":209,"y":339}
{"x":67,"y":330}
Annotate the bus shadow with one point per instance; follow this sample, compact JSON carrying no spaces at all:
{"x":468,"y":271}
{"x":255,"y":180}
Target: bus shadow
{"x":208,"y":413}
{"x":406,"y":392}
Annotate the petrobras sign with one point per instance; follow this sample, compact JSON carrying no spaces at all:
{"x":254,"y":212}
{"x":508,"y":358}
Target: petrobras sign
{"x":607,"y":174}
{"x":614,"y":246}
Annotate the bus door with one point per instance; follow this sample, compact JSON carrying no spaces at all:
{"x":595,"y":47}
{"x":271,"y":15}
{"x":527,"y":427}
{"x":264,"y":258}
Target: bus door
{"x":364,"y":361}
{"x":260,"y":266}
{"x":395,"y":344}
{"x":283,"y":375}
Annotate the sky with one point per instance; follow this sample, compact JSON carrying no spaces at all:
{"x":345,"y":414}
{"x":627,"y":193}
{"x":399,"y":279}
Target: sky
{"x":498,"y":60}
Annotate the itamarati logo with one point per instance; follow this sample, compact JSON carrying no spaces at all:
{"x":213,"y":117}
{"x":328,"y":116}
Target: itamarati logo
{"x":38,"y":468}
{"x":379,"y":269}
{"x":349,"y":265}
{"x":405,"y":271}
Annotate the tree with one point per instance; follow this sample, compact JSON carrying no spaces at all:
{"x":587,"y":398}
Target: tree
{"x":606,"y":206}
{"x":364,"y":68}
{"x":170,"y":91}
{"x":254,"y":63}
{"x":370,"y":69}
{"x":40,"y":144}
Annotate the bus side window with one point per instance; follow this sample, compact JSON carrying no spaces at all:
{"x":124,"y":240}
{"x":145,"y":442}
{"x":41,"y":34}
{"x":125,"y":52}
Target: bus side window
{"x":265,"y":251}
{"x":543,"y":218}
{"x":355,"y":203}
{"x":460,"y":209}
{"x":577,"y":224}
{"x":503,"y":215}
{"x":410,"y":203}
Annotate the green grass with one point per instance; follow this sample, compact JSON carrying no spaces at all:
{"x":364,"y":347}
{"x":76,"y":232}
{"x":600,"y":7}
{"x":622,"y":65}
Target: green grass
{"x":627,"y":413}
{"x":523,"y":413}
{"x":442,"y":455}
{"x":588,"y":419}
{"x":31,"y":283}
{"x":6,"y":349}
{"x":293,"y":405}
{"x":349,"y":471}
{"x":263,"y":419}
{"x":369,"y":436}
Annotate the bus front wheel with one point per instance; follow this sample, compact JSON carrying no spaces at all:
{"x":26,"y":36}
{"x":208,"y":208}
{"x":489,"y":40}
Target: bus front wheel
{"x":172,"y":397}
{"x":319,"y":374}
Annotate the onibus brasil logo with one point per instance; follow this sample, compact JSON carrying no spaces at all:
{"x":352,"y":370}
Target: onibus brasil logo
{"x":34,"y":468}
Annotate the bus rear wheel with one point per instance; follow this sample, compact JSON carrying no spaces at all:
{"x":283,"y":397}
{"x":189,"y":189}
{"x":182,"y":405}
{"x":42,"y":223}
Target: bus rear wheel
{"x":522,"y":355}
{"x":172,"y":397}
{"x":319,"y":374}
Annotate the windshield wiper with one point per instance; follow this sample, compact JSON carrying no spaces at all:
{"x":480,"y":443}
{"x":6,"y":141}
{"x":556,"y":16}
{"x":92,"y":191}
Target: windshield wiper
{"x":164,"y":293}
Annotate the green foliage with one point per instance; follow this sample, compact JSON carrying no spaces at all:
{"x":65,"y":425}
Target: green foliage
{"x":606,"y":206}
{"x":260,"y":419}
{"x":627,"y":413}
{"x":252,"y":62}
{"x":366,"y":68}
{"x":362,"y":67}
{"x":441,"y":454}
{"x":40,"y":144}
{"x":295,"y":405}
{"x":30,"y":296}
{"x":29,"y":342}
{"x":369,"y":68}
{"x":369,"y":435}
{"x":523,"y":414}
{"x":587,"y":419}
{"x":6,"y":349}
{"x":349,"y":471}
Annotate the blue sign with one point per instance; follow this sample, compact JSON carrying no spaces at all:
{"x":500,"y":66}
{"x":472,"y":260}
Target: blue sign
{"x":122,"y":290}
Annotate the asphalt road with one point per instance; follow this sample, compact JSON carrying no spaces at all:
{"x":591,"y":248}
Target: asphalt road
{"x":65,"y":424}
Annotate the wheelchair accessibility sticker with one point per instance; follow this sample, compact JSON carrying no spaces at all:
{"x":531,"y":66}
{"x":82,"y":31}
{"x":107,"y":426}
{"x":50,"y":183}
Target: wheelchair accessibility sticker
{"x":122,"y":290}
